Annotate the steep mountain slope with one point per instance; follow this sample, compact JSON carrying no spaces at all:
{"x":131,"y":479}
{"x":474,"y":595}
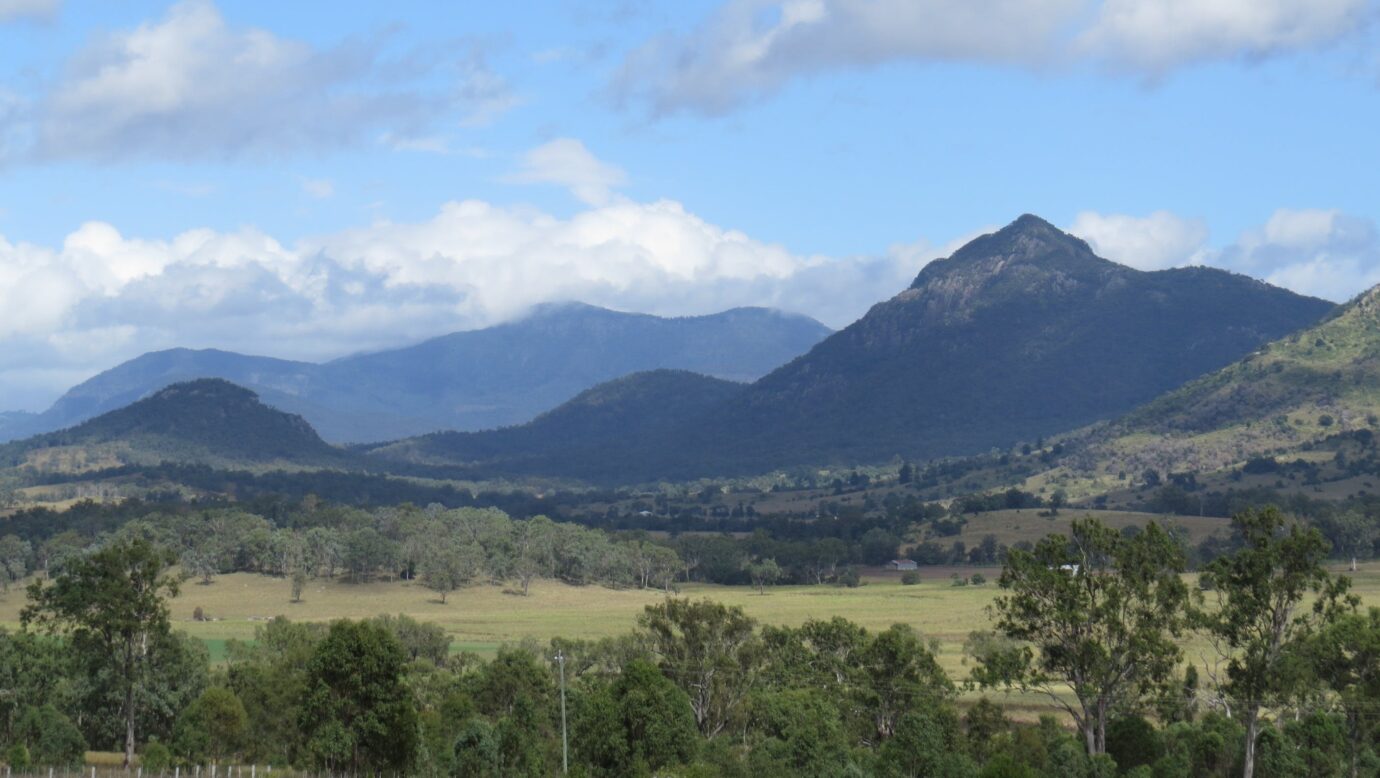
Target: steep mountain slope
{"x":507,"y":374}
{"x":468,"y":380}
{"x":1289,"y":394}
{"x":1020,"y":334}
{"x":206,"y":420}
{"x":583,"y":438}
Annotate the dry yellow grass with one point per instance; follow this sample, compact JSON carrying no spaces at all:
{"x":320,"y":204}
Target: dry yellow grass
{"x":482,"y":618}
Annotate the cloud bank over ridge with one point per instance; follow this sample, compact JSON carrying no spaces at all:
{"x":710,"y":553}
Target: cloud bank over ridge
{"x":101,"y":297}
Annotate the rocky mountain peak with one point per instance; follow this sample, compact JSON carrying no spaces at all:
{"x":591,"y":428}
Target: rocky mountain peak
{"x":1026,"y":244}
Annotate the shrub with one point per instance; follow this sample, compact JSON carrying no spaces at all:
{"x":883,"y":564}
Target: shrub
{"x":17,"y":757}
{"x":51,"y":737}
{"x":959,"y":580}
{"x":155,"y":757}
{"x":1132,"y":742}
{"x":978,"y":579}
{"x":1260,"y":464}
{"x":910,"y":578}
{"x":850,"y":577}
{"x":212,"y":726}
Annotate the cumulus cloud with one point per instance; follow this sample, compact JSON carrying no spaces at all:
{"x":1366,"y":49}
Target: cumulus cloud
{"x":1325,"y":253}
{"x":1156,"y":36}
{"x":567,"y":163}
{"x":750,"y":49}
{"x":1155,"y":242}
{"x":102,"y":297}
{"x":190,"y":86}
{"x":1317,"y":252}
{"x":13,"y":10}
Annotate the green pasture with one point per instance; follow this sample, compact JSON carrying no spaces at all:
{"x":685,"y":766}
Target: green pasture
{"x":482,"y":618}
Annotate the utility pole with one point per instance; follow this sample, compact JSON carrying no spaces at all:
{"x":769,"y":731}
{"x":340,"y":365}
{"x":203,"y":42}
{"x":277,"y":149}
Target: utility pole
{"x":565,"y":743}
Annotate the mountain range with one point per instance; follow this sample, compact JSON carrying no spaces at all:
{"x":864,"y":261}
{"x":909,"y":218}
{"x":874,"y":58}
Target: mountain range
{"x":1022,"y":333}
{"x":478,"y":379}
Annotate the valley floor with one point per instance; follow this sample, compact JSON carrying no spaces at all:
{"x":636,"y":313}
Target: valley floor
{"x":482,"y":618}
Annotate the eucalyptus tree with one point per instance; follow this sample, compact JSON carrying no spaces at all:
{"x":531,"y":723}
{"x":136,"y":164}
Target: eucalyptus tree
{"x":1094,"y":613}
{"x":533,"y":549}
{"x":710,"y":650}
{"x":112,"y":606}
{"x":1344,"y":652}
{"x":16,"y":558}
{"x":449,"y":565}
{"x":1258,"y":624}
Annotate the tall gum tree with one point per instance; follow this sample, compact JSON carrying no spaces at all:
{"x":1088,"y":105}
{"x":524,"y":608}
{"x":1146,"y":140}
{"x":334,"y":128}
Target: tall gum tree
{"x":1258,"y":624}
{"x":1094,"y":613}
{"x":112,"y":606}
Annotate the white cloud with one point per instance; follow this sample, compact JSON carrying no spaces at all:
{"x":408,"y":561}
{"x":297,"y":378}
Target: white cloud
{"x":192,"y":86}
{"x":12,"y":10}
{"x":102,"y":297}
{"x":567,"y":163}
{"x":1317,"y":252}
{"x":1155,"y":242}
{"x":1156,"y":36}
{"x":750,"y":49}
{"x":1325,"y":253}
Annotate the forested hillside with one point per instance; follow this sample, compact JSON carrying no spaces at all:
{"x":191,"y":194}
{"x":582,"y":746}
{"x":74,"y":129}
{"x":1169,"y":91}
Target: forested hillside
{"x":207,"y":421}
{"x":471,"y":380}
{"x":1320,"y":384}
{"x":1020,"y":334}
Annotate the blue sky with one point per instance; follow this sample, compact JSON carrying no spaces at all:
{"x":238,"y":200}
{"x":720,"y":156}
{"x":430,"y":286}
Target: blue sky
{"x":308,"y":179}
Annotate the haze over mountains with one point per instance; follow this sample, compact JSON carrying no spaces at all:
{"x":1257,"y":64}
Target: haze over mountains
{"x":477,"y":379}
{"x":209,"y":421}
{"x":1021,"y":333}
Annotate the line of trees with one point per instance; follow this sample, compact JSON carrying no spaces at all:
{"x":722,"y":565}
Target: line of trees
{"x":443,"y":550}
{"x":1096,"y":620}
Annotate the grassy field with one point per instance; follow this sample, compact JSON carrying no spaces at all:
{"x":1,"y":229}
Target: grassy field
{"x":483,"y":618}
